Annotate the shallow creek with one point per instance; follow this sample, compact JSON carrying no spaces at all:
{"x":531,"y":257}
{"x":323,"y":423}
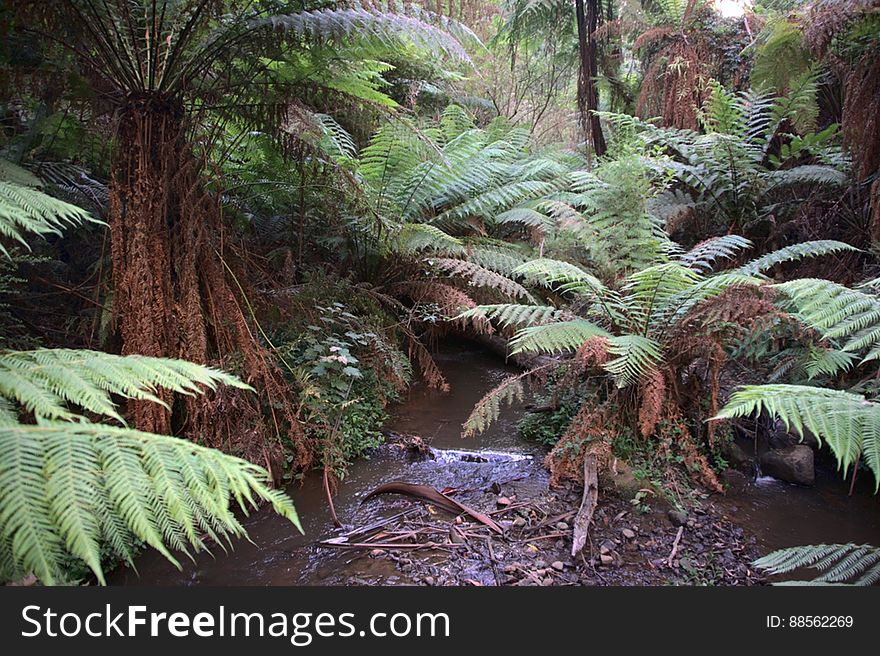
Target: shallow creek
{"x":777,"y":514}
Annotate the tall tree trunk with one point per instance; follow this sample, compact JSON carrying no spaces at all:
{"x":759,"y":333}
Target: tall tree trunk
{"x":588,"y":94}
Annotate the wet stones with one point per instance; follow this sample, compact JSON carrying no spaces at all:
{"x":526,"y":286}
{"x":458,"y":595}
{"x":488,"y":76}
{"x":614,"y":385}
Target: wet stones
{"x":677,"y":517}
{"x":792,"y":464}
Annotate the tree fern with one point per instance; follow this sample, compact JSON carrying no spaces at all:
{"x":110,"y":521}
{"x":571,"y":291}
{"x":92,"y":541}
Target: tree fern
{"x":514,"y":314}
{"x":488,"y":409}
{"x":846,"y":316}
{"x":555,"y":337}
{"x":415,"y":237}
{"x":636,"y":357}
{"x":481,"y":277}
{"x":858,"y":564}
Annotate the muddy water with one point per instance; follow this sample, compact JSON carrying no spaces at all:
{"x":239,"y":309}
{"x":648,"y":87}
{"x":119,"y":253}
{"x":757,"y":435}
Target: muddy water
{"x":279,"y":555}
{"x":779,"y":515}
{"x":782,"y":515}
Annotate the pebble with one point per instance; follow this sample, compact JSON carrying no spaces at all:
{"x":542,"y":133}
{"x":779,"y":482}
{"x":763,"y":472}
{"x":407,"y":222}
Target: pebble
{"x":429,"y":580}
{"x":502,"y":501}
{"x":606,"y":559}
{"x":606,"y":547}
{"x":628,"y":533}
{"x":562,"y":526}
{"x":558,"y":565}
{"x":519,"y":522}
{"x":375,"y":553}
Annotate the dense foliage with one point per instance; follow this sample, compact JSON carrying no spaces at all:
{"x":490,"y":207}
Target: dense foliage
{"x":678,"y":211}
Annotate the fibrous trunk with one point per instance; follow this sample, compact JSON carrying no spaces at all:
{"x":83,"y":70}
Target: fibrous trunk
{"x":172,"y":294}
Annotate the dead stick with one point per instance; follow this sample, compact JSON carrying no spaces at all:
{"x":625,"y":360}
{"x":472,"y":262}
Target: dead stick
{"x":675,"y":546}
{"x":336,"y":521}
{"x":588,"y":504}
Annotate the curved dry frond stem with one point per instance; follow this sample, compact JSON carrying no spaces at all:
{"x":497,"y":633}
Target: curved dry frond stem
{"x":66,"y":489}
{"x":46,"y":381}
{"x":847,"y":422}
{"x":857,"y":564}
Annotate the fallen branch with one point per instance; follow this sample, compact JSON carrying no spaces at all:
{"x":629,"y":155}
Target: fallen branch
{"x":675,"y":546}
{"x":588,"y":504}
{"x":428,"y":493}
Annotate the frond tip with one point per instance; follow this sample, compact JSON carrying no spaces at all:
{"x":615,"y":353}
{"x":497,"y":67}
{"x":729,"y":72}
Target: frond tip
{"x":45,"y":381}
{"x":847,"y":422}
{"x":67,"y":488}
{"x":858,"y":564}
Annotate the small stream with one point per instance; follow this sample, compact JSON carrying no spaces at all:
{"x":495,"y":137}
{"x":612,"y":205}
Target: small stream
{"x":778,"y":514}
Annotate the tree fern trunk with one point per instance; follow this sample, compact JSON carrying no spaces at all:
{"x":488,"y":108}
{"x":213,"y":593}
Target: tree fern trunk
{"x":173,"y":294}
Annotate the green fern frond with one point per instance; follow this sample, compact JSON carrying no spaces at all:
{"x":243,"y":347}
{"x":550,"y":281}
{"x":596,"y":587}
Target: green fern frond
{"x":807,"y":174}
{"x":827,"y":362}
{"x":416,"y":237}
{"x":481,"y":277}
{"x":525,"y":216}
{"x":488,"y":409}
{"x":28,"y":210}
{"x":555,"y":337}
{"x":703,"y":256}
{"x":795,"y":252}
{"x":514,"y":314}
{"x":848,"y":423}
{"x":636,"y":357}
{"x":560,"y":274}
{"x":411,"y":25}
{"x":500,"y":258}
{"x":858,"y":564}
{"x":67,"y":488}
{"x":45,"y":381}
{"x":837,"y":312}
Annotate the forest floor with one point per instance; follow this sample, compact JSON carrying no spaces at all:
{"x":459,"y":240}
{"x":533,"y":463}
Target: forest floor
{"x":627,"y":545}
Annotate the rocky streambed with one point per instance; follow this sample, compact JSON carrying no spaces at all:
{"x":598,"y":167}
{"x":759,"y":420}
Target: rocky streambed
{"x":509,"y":527}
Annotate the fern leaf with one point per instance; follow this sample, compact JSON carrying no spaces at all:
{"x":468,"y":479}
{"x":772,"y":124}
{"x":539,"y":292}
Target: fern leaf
{"x":481,"y":277}
{"x":45,"y":381}
{"x":848,"y":423}
{"x":838,"y":563}
{"x":28,"y":210}
{"x":58,"y":481}
{"x":793,"y":253}
{"x":637,"y":356}
{"x":488,"y":409}
{"x":555,"y":337}
{"x":514,"y":314}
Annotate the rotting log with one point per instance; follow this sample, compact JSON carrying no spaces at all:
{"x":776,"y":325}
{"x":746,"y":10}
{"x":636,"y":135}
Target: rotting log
{"x":588,"y":504}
